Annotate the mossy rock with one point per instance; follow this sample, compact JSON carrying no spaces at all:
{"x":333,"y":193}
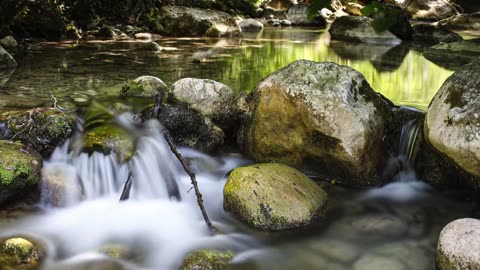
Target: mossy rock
{"x":207,"y":259}
{"x":119,"y":251}
{"x":107,"y":139}
{"x":41,"y":128}
{"x":273,"y":197}
{"x":19,"y":253}
{"x":19,"y":169}
{"x":144,"y":86}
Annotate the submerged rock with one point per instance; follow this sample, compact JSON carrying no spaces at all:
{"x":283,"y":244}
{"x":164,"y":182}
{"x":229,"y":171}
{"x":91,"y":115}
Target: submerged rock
{"x":143,"y":86}
{"x":273,"y":197}
{"x":207,"y":259}
{"x":378,"y":262}
{"x":6,"y":60}
{"x":19,"y":253}
{"x":42,"y":128}
{"x":452,"y":123}
{"x":322,"y":117}
{"x":207,"y":97}
{"x":250,"y":25}
{"x":429,"y":34}
{"x":359,"y":29}
{"x":185,"y":21}
{"x":459,"y":245}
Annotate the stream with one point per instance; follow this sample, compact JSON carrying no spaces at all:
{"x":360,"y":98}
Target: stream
{"x":391,"y":227}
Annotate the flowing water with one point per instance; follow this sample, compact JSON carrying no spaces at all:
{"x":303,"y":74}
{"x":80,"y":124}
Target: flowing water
{"x":391,"y":227}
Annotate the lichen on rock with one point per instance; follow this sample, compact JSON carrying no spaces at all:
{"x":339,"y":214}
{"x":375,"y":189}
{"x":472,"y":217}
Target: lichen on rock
{"x":207,"y":259}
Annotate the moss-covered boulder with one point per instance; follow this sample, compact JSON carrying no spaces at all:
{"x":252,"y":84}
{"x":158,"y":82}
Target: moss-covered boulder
{"x":452,"y":123}
{"x":459,"y":246}
{"x":19,"y":253}
{"x":207,"y":259}
{"x":19,"y":169}
{"x":273,"y":197}
{"x":41,"y":128}
{"x":143,"y":86}
{"x":321,"y":117}
{"x":109,"y":138}
{"x":120,"y":251}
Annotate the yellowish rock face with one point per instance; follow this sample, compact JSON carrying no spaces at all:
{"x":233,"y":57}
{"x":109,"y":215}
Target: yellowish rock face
{"x":17,"y":252}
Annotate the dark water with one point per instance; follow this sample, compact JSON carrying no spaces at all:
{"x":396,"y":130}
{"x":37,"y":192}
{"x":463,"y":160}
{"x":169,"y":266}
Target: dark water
{"x":97,"y":69}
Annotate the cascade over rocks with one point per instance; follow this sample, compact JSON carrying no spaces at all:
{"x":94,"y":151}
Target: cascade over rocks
{"x":359,"y":29}
{"x":273,"y":197}
{"x":321,"y":117}
{"x":19,"y":169}
{"x":185,"y":21}
{"x":452,"y":123}
{"x":42,"y":128}
{"x":459,"y":245}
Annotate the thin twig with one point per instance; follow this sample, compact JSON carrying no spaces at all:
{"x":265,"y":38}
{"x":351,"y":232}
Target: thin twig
{"x":126,"y":188}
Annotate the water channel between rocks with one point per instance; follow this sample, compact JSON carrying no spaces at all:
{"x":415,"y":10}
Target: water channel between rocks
{"x":391,"y":227}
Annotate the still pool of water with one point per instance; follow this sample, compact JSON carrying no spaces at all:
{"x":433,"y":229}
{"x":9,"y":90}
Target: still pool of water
{"x":97,"y":69}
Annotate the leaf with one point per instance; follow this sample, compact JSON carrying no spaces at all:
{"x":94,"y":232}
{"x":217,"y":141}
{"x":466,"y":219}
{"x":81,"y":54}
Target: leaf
{"x":317,"y":5}
{"x":372,"y":8}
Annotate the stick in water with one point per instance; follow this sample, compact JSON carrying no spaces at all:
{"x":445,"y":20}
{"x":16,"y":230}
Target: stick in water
{"x":126,"y":188}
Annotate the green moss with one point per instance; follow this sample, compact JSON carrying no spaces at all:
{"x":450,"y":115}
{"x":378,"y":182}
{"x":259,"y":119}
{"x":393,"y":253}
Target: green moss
{"x":207,"y":259}
{"x":109,"y":138}
{"x":132,"y":88}
{"x":19,"y":252}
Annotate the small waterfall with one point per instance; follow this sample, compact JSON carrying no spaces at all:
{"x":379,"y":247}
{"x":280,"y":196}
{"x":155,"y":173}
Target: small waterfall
{"x":401,"y":167}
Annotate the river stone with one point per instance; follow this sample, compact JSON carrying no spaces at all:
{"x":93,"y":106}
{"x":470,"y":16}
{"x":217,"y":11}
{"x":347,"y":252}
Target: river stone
{"x":298,"y":15}
{"x":60,"y":186}
{"x":19,"y":253}
{"x":428,"y":9}
{"x":109,"y":138}
{"x":185,"y":21}
{"x":321,"y":117}
{"x":143,"y":86}
{"x":462,"y":22}
{"x":452,"y":123}
{"x":6,"y":60}
{"x":207,"y":259}
{"x":377,"y":262}
{"x":273,"y":197}
{"x":19,"y":169}
{"x":339,"y":251}
{"x":429,"y":34}
{"x":409,"y":253}
{"x":8,"y":42}
{"x":42,"y":128}
{"x":359,"y":29}
{"x":250,"y":25}
{"x":453,"y":55}
{"x":459,"y":245}
{"x":207,"y":97}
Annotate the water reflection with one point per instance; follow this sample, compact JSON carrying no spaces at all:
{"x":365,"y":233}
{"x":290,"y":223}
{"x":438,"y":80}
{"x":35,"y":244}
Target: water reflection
{"x":97,"y":69}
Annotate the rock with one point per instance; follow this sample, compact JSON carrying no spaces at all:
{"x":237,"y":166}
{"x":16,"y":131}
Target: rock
{"x":321,"y":117}
{"x":286,"y":22}
{"x":207,"y":97}
{"x":410,"y":254}
{"x":151,"y":46}
{"x":429,"y":34}
{"x":60,"y":186}
{"x":462,"y":22}
{"x":147,"y":36}
{"x":105,"y":32}
{"x":250,"y":25}
{"x":459,"y":245}
{"x":119,"y":251}
{"x":359,"y":29}
{"x":143,"y":86}
{"x":468,"y":6}
{"x":191,"y":129}
{"x":453,"y":55}
{"x":433,"y":10}
{"x":185,"y":21}
{"x":19,"y":169}
{"x":207,"y":259}
{"x":41,"y":128}
{"x":6,"y":60}
{"x":4,"y":77}
{"x":281,"y":4}
{"x":298,"y":15}
{"x":376,"y":262}
{"x":452,"y":123}
{"x":273,"y":197}
{"x":109,"y":138}
{"x":354,"y":9}
{"x":8,"y":42}
{"x":19,"y":253}
{"x":339,"y":251}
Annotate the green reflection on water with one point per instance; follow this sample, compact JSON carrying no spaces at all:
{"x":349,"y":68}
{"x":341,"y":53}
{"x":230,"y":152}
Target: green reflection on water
{"x":97,"y":70}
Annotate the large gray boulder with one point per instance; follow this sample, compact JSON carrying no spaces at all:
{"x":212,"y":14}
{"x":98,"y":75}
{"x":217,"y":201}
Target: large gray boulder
{"x":459,"y":245}
{"x":273,"y":197}
{"x":6,"y":60}
{"x":452,"y":123}
{"x":185,"y":21}
{"x":321,"y":117}
{"x":359,"y":29}
{"x":209,"y":98}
